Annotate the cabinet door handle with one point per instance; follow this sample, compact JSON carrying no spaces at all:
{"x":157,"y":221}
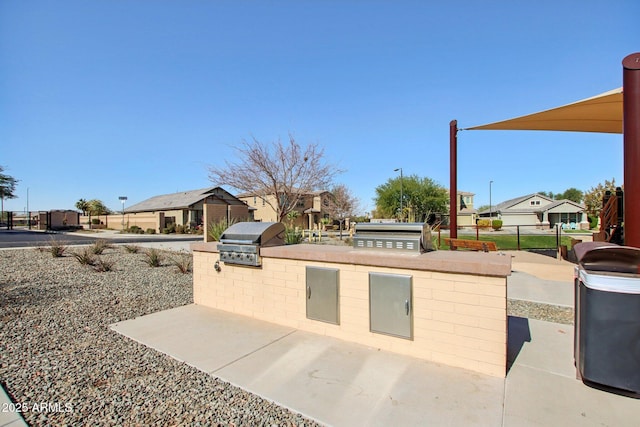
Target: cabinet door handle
{"x":406,"y":307}
{"x":308,"y":292}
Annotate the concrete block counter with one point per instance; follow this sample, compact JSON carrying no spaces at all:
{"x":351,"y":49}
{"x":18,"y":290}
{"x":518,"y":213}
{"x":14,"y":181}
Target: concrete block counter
{"x":447,"y":307}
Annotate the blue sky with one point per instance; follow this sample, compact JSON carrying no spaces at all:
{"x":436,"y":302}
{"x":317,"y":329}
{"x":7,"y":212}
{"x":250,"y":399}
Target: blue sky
{"x":101,"y":99}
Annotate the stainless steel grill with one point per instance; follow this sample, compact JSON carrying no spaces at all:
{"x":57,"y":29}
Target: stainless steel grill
{"x":412,"y":236}
{"x":240,"y":244}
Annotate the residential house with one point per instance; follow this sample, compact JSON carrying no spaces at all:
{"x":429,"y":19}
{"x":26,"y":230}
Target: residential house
{"x":540,"y":211}
{"x":311,"y":209}
{"x":187,"y":208}
{"x":466,"y":212}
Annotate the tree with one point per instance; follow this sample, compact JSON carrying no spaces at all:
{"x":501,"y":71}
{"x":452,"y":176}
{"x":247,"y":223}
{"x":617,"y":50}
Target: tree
{"x":280,"y":173}
{"x":341,"y":204}
{"x":7,"y":189}
{"x":420,"y":197}
{"x":96,"y":207}
{"x":83,"y":206}
{"x":548,"y":194}
{"x":92,"y":207}
{"x":593,"y":197}
{"x":572,"y":194}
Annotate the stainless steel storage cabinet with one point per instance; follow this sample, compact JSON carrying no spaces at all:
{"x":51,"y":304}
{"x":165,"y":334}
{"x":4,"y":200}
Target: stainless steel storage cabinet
{"x":323,"y":294}
{"x":607,"y":315}
{"x":390,"y":304}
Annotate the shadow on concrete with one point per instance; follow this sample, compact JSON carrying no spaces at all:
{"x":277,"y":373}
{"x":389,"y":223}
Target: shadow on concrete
{"x":553,"y":253}
{"x":518,"y":333}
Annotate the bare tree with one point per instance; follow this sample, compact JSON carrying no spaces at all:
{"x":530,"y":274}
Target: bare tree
{"x":279,"y":173}
{"x":342,"y":204}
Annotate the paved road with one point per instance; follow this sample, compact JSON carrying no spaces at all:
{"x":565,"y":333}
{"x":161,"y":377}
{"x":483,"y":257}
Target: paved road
{"x":30,"y":238}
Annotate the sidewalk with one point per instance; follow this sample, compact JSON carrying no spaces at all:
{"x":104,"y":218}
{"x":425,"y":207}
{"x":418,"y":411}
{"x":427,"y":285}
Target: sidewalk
{"x":8,"y":416}
{"x":541,"y":279}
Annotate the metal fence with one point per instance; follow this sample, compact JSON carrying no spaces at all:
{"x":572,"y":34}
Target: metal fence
{"x":514,"y":237}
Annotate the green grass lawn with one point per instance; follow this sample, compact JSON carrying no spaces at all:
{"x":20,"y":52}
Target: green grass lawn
{"x":510,"y":242}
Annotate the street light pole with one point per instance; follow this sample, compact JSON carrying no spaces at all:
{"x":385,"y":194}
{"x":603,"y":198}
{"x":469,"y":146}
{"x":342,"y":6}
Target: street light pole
{"x":401,"y":195}
{"x":122,"y":199}
{"x":490,"y":211}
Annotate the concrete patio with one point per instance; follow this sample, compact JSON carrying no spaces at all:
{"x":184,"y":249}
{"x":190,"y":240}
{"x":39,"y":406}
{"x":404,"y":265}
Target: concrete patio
{"x":343,"y":384}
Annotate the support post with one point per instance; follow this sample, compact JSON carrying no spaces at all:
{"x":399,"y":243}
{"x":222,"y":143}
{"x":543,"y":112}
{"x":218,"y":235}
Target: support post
{"x":453,"y":179}
{"x":631,"y":130}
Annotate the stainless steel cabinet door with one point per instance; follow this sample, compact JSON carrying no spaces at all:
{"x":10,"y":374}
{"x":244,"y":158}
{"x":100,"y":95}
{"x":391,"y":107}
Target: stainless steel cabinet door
{"x":323,"y":292}
{"x":390,"y":304}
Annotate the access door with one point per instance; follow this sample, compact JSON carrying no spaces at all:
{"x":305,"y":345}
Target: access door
{"x":390,"y":304}
{"x":323,"y":291}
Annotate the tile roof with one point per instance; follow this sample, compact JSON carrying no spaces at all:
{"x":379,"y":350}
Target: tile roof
{"x":181,"y":200}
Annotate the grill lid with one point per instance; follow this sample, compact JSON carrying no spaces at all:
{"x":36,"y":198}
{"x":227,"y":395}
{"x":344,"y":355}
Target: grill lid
{"x":254,"y":233}
{"x":392,"y":227}
{"x":414,"y":236}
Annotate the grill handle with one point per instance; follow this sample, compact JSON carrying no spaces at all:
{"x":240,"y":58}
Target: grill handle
{"x":406,"y":307}
{"x":308,"y":292}
{"x":237,"y":242}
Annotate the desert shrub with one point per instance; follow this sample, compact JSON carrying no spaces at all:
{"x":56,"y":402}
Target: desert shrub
{"x":292,"y":236}
{"x":132,"y":249}
{"x":170,"y":229}
{"x":99,"y":246}
{"x":216,"y":228}
{"x":103,"y":265}
{"x":496,"y":224}
{"x":593,"y":222}
{"x":56,"y":248}
{"x":153,"y":257}
{"x":135,"y":230}
{"x":484,"y":223}
{"x":85,"y":257}
{"x":95,"y":221}
{"x":181,"y":229}
{"x":183,"y":261}
{"x":150,"y":231}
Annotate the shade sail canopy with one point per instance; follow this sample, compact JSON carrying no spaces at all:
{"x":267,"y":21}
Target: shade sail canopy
{"x":600,"y":113}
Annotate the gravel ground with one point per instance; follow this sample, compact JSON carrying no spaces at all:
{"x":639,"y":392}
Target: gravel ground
{"x":62,"y":365}
{"x":533,"y":310}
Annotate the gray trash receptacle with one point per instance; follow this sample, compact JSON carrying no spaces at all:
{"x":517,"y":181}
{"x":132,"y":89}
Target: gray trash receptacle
{"x":607,"y":315}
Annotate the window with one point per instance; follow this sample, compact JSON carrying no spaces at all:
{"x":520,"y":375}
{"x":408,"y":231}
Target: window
{"x":535,"y":202}
{"x":255,"y":199}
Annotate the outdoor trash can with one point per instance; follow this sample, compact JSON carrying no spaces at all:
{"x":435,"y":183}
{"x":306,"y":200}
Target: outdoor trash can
{"x":607,"y":315}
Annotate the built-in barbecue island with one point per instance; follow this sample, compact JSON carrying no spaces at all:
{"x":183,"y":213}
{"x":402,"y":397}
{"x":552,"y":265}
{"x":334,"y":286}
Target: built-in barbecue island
{"x":389,"y":291}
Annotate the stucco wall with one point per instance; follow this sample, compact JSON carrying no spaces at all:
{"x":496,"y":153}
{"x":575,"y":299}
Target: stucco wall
{"x":143,"y":220}
{"x":458,"y":319}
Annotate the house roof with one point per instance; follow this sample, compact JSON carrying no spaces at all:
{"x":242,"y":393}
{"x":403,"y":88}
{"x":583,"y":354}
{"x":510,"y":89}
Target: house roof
{"x":310,"y":193}
{"x":182,"y":200}
{"x":557,"y":203}
{"x":508,"y":204}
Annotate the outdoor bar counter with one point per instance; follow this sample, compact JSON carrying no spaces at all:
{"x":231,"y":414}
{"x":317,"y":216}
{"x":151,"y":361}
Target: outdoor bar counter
{"x":447,"y":307}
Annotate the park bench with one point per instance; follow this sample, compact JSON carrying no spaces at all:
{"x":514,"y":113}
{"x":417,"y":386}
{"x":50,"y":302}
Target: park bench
{"x":475,"y":245}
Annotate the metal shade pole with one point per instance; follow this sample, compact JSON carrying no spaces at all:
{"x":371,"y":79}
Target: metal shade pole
{"x":453,"y":179}
{"x":631,"y":131}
